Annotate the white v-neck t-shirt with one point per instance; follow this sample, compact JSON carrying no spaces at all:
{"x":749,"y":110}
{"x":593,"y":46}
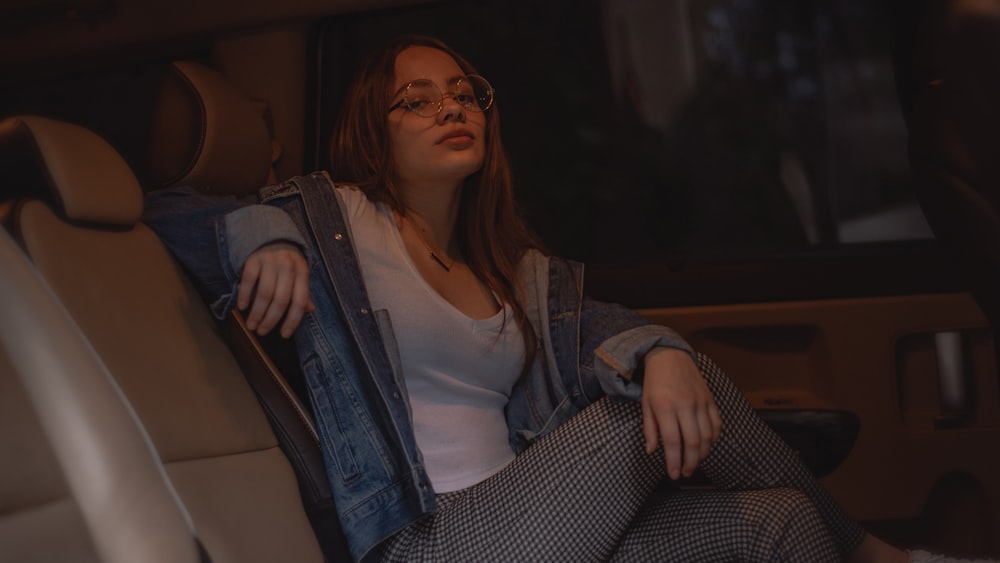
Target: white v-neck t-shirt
{"x":459,"y":371}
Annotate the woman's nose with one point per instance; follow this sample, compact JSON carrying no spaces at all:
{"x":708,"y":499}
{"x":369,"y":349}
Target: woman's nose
{"x":451,"y":110}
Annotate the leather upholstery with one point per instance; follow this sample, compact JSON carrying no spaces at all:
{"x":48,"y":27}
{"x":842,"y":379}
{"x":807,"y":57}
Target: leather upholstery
{"x":107,"y":193}
{"x":80,"y":480}
{"x":156,"y":337}
{"x":34,"y":497}
{"x":207,"y":134}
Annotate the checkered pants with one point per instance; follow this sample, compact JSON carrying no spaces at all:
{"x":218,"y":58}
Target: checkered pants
{"x":588,"y":491}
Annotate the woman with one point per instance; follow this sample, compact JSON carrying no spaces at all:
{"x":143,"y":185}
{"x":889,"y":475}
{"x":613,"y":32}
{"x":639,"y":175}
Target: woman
{"x":457,"y":373}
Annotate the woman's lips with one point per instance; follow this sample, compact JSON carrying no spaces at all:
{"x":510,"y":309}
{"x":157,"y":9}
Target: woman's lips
{"x":457,"y":137}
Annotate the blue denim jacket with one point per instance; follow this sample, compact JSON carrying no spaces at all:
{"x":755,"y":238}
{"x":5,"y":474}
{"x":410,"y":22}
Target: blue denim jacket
{"x":586,"y":349}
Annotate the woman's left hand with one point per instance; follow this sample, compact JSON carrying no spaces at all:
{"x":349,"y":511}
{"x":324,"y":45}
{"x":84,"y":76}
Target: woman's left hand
{"x":679,"y":410}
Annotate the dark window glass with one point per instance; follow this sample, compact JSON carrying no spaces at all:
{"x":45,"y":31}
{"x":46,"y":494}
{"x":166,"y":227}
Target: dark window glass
{"x":651,"y":128}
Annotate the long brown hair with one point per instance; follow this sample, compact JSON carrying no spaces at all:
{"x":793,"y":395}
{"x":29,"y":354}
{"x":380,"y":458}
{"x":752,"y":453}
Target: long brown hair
{"x":492,"y":234}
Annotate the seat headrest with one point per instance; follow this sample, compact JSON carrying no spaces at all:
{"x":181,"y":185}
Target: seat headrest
{"x":71,"y":168}
{"x":208,"y":135}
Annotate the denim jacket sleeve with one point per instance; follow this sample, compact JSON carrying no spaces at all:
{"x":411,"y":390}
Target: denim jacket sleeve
{"x":607,"y":341}
{"x":212,"y":236}
{"x":618,"y":359}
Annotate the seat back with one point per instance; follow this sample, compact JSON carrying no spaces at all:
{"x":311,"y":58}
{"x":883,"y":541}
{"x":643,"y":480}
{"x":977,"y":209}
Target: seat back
{"x":35,"y":499}
{"x":79,"y":481}
{"x":80,"y":226}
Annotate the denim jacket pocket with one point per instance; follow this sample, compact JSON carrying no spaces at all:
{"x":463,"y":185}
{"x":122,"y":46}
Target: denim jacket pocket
{"x":337,"y":442}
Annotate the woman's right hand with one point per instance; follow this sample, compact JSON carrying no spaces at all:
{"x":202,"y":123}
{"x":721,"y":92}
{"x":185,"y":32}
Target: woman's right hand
{"x":678,"y":410}
{"x":275,"y":284}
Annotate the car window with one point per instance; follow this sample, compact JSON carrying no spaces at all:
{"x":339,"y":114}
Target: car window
{"x":674,"y":129}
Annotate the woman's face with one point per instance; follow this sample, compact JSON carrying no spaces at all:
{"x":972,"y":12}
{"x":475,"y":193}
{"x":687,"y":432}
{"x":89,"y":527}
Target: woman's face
{"x":445,"y":148}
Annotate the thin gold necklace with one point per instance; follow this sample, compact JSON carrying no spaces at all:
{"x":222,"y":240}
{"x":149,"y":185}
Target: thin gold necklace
{"x":434,"y":255}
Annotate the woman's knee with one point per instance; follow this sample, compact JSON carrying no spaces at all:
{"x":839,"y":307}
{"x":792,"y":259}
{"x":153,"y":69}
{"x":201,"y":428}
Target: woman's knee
{"x":784,"y":505}
{"x":789,"y":525}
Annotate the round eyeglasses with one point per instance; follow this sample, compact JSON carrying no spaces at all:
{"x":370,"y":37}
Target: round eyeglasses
{"x":424,"y":98}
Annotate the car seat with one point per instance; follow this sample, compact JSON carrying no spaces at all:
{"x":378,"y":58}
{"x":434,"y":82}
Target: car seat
{"x":79,"y":481}
{"x":76,"y":215}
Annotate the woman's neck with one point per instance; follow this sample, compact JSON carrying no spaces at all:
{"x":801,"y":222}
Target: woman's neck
{"x":434,"y":211}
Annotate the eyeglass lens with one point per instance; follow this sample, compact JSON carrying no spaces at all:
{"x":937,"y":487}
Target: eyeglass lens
{"x":425,"y":98}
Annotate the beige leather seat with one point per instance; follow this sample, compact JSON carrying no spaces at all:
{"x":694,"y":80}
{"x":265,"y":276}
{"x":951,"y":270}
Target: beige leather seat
{"x":40,"y":519}
{"x":207,"y":134}
{"x":80,"y":225}
{"x":79,"y":481}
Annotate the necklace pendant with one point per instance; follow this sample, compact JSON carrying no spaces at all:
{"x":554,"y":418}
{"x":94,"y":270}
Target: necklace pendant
{"x":447,"y":267}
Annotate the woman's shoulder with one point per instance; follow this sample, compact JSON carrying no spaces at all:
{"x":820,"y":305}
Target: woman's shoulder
{"x":356,"y":205}
{"x":353,"y":196}
{"x":536,"y":258}
{"x":533,"y":265}
{"x":321,"y":179}
{"x":350,"y":192}
{"x":533,"y":257}
{"x":537,"y":269}
{"x":352,"y":189}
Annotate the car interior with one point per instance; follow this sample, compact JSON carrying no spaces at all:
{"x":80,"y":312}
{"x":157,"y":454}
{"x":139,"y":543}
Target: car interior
{"x":136,"y":427}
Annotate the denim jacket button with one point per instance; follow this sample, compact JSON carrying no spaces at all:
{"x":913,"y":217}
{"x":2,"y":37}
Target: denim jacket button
{"x":338,"y":236}
{"x":364,"y":311}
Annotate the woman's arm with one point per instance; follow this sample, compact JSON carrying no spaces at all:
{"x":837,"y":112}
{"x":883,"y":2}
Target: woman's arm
{"x":238,"y":252}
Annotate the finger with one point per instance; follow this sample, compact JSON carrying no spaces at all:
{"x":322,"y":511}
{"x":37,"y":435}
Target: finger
{"x":649,"y":431}
{"x":279,"y":301}
{"x":671,"y":436}
{"x":262,"y":299}
{"x":248,"y":279}
{"x":691,"y":437}
{"x":301,"y":301}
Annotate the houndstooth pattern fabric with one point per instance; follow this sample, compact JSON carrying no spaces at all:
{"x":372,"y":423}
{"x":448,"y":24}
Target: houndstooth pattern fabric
{"x":588,"y":491}
{"x":749,"y":455}
{"x":719,"y":525}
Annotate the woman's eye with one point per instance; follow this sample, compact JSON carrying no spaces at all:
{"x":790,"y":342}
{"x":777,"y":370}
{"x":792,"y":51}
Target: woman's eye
{"x":416,"y":104}
{"x":465,"y":99}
